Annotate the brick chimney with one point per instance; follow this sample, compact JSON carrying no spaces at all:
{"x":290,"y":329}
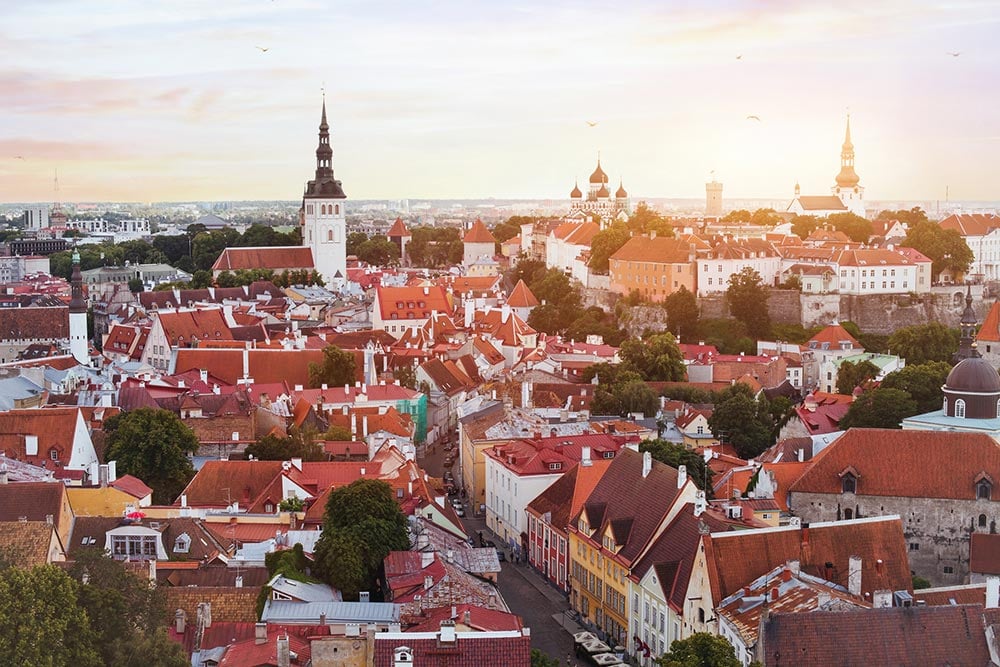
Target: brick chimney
{"x":647,"y":463}
{"x":854,"y":575}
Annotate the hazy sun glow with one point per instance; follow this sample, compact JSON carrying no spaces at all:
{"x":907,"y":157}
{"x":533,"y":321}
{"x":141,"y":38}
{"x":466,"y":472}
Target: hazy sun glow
{"x":173,"y":100}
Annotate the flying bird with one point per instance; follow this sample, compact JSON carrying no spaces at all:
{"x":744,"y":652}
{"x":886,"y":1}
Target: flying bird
{"x":756,"y":118}
{"x":954,"y":54}
{"x":592,"y":123}
{"x":263,"y":49}
{"x":18,"y":157}
{"x":739,"y":57}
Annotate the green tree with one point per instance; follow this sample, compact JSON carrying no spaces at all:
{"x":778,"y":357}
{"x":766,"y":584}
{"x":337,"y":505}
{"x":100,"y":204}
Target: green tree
{"x":378,"y":251}
{"x":645,"y":219}
{"x":852,"y":374}
{"x":355,"y":241}
{"x":339,"y":433}
{"x":362,"y":524}
{"x":858,"y":229}
{"x":337,"y":369}
{"x":595,"y":320}
{"x":682,"y":313}
{"x":528,"y":270}
{"x":606,"y":243}
{"x":747,"y":299}
{"x":406,"y":375}
{"x":41,"y":622}
{"x":135,"y":285}
{"x":675,"y":455}
{"x":919,"y":583}
{"x":912,"y":217}
{"x":729,"y":336}
{"x":921,"y":343}
{"x":922,"y":382}
{"x":635,"y":396}
{"x":296,"y":446}
{"x":879,"y":408}
{"x":153,"y":445}
{"x":946,"y":248}
{"x":765,"y":217}
{"x":657,"y":358}
{"x":701,"y":649}
{"x":740,"y":215}
{"x":540,"y":659}
{"x":743,"y":421}
{"x":804,"y":225}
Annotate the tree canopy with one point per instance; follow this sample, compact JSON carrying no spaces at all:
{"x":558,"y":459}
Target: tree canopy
{"x":362,"y":524}
{"x":296,"y":446}
{"x":804,"y":225}
{"x":657,"y":358}
{"x":153,"y":445}
{"x":747,"y":299}
{"x":682,"y":313}
{"x":946,"y":248}
{"x":922,"y":382}
{"x":743,"y":421}
{"x":337,"y":369}
{"x":879,"y":408}
{"x":851,"y":375}
{"x":702,"y":649}
{"x":922,"y":343}
{"x":606,"y":243}
{"x":435,"y":247}
{"x":858,"y":229}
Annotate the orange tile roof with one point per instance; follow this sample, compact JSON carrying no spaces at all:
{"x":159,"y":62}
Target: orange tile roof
{"x":905,"y":464}
{"x":984,"y":553}
{"x":734,"y":559}
{"x":661,"y":250}
{"x":52,"y":426}
{"x":834,"y":334}
{"x":411,"y":303}
{"x":872,"y":257}
{"x":183,"y":327}
{"x":274,"y":258}
{"x":521,"y":296}
{"x":398,"y":230}
{"x":990,"y":331}
{"x":971,"y":224}
{"x":478,"y":233}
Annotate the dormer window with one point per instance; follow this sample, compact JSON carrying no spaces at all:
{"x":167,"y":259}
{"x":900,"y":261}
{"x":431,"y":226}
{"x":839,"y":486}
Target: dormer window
{"x":555,"y":466}
{"x":402,"y":656}
{"x":269,"y":508}
{"x":849,"y":483}
{"x":984,"y":490}
{"x":584,"y":528}
{"x":182,"y":544}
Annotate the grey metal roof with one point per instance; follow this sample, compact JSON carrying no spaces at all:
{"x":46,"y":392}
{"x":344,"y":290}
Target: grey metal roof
{"x":336,"y":612}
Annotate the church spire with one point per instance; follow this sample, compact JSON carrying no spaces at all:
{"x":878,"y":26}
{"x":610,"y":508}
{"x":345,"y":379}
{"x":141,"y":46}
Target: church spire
{"x":966,"y":344}
{"x":847,"y":178}
{"x":324,"y":185}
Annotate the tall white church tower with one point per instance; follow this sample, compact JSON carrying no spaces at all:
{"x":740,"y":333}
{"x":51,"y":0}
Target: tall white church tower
{"x":324,"y":227}
{"x":78,"y":346}
{"x":848,"y":184}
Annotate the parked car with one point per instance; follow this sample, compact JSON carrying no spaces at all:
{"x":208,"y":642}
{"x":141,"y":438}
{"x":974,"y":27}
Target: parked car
{"x":455,"y":502}
{"x":460,"y":511}
{"x":500,"y":555}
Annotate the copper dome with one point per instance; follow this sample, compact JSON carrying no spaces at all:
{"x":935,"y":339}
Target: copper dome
{"x":973,"y":375}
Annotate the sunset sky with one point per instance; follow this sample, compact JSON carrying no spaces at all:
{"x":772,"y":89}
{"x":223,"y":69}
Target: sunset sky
{"x":172,"y":100}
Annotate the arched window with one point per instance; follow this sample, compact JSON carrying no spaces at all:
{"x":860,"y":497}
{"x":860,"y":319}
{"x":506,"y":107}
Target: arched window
{"x":998,"y":407}
{"x":849,"y":484}
{"x":329,"y":235}
{"x":960,"y":409}
{"x":984,"y":490}
{"x":336,"y":209}
{"x":848,"y":514}
{"x":944,"y":405}
{"x":323,"y":209}
{"x":982,"y":520}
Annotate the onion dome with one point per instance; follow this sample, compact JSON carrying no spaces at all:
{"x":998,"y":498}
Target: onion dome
{"x":576,"y":194}
{"x":598,"y":177}
{"x":621,"y":194}
{"x":603,"y":193}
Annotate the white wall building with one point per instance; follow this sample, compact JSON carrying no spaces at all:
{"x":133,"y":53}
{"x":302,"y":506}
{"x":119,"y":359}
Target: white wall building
{"x":324,"y":225}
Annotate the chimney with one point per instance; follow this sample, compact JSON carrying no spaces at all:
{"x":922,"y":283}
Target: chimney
{"x":786,"y":574}
{"x":428,"y":582}
{"x":49,"y":519}
{"x":322,"y":618}
{"x":102,"y":475}
{"x":450,"y":555}
{"x":585,"y":456}
{"x":239,"y":579}
{"x":184,"y":500}
{"x":180,"y":620}
{"x":854,"y":575}
{"x":992,"y":592}
{"x":448,"y":632}
{"x":647,"y":463}
{"x":284,"y":652}
{"x":297,"y":463}
{"x":454,"y":612}
{"x":467,"y":617}
{"x":805,"y":533}
{"x":682,"y":474}
{"x":364,"y":596}
{"x":205,"y":614}
{"x":260,"y":633}
{"x":774,"y":594}
{"x":3,"y":473}
{"x":795,"y":567}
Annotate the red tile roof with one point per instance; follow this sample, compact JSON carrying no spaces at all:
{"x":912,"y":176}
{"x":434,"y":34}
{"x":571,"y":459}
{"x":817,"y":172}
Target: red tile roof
{"x":132,"y":485}
{"x":479,"y":618}
{"x":33,"y":323}
{"x":478,"y":233}
{"x":907,"y":464}
{"x":565,"y":496}
{"x":32,"y":500}
{"x":736,"y":558}
{"x":398,"y":230}
{"x":411,"y":303}
{"x":577,"y":233}
{"x":521,"y":296}
{"x":274,"y":258}
{"x":249,"y":652}
{"x":984,"y":553}
{"x":184,"y":327}
{"x":535,"y":457}
{"x":887,"y":636}
{"x":661,"y":250}
{"x":468,"y":649}
{"x":990,"y":331}
{"x":54,"y":428}
{"x":834,"y":334}
{"x":971,"y":224}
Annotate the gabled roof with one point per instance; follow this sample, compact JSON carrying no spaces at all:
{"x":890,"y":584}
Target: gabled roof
{"x":54,"y":427}
{"x":26,"y":543}
{"x":478,"y":233}
{"x":990,"y":330}
{"x":274,"y":258}
{"x":887,"y":636}
{"x":576,"y":233}
{"x":661,"y":250}
{"x":565,"y":496}
{"x":907,"y":464}
{"x":624,"y":492}
{"x":521,"y":296}
{"x":834,"y":334}
{"x":447,"y":379}
{"x":182,"y":327}
{"x":971,"y":224}
{"x":472,"y":616}
{"x":496,"y":649}
{"x":411,"y":303}
{"x":734,"y":559}
{"x":33,"y":323}
{"x":872,"y":257}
